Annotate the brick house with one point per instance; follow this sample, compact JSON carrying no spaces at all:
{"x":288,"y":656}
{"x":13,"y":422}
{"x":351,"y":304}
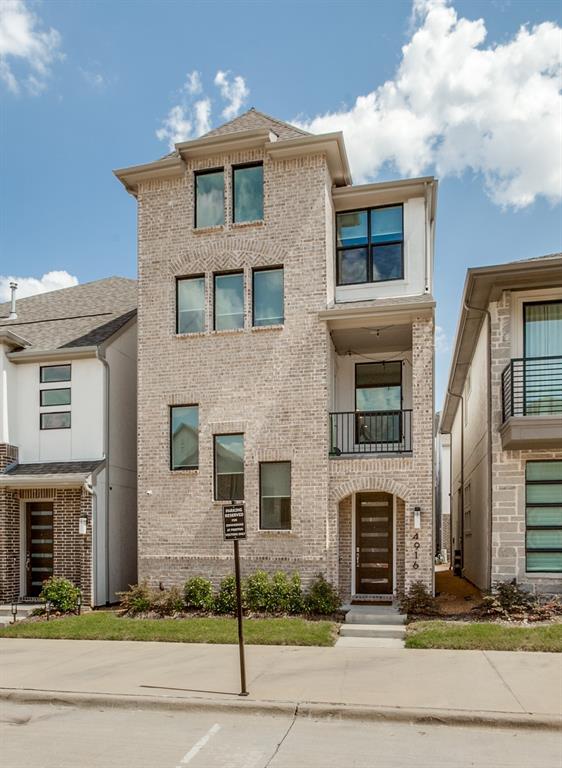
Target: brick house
{"x":68,"y":440}
{"x":285,"y":359}
{"x":503,"y":411}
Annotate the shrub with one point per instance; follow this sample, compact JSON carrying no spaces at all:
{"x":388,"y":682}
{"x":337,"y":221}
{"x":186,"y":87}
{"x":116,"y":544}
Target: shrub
{"x":137,"y":599}
{"x":286,"y":593}
{"x":418,"y":601}
{"x":167,"y":602}
{"x":225,"y":600}
{"x":258,"y":590}
{"x":198,"y":593}
{"x":322,"y":598}
{"x":61,"y":593}
{"x":508,"y":601}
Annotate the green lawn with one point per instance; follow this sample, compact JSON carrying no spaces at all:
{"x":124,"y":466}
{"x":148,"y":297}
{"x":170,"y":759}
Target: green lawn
{"x":105,"y":625}
{"x":483,"y":636}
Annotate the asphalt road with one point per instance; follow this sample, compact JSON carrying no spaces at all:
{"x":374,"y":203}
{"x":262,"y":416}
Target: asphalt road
{"x":48,"y":736}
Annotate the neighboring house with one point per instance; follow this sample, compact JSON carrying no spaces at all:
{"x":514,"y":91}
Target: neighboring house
{"x":286,"y":360}
{"x":442,"y":494}
{"x":68,"y":440}
{"x":504,"y":412}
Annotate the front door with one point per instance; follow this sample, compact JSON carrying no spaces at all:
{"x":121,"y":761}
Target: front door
{"x":39,"y":540}
{"x":373,"y":543}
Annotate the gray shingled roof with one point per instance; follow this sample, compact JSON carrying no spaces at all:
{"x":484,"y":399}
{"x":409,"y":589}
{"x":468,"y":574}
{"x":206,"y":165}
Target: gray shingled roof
{"x":82,"y":315}
{"x":255,"y":119}
{"x":55,"y":468}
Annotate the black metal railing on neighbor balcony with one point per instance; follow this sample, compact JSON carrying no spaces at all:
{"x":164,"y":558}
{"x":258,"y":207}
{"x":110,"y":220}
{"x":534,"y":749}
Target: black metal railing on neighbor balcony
{"x":370,"y":432}
{"x":532,"y":386}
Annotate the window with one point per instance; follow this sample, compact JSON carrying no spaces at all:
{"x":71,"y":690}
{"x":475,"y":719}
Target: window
{"x":54,"y":396}
{"x":229,"y":467}
{"x":247,"y":192}
{"x":267,"y":295}
{"x":59,"y":420}
{"x":209,"y":198}
{"x":543,"y":492}
{"x":184,"y":437}
{"x":378,"y":402}
{"x":540,"y":386}
{"x":50,"y":373}
{"x":190,"y":302}
{"x":275,"y":495}
{"x":229,"y":301}
{"x":370,"y":245}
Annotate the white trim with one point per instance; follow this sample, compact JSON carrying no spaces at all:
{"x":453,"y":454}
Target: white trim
{"x":518,"y":299}
{"x":367,"y":596}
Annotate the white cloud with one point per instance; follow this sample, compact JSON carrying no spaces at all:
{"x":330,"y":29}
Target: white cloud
{"x":441,"y":340}
{"x":455,"y":105}
{"x":23,"y":39}
{"x":95,"y":79}
{"x":191,"y":117}
{"x":28,"y":286}
{"x":234,"y":92}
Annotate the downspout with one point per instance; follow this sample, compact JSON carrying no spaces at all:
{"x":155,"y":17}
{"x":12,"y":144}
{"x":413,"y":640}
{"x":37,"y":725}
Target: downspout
{"x":461,"y":505}
{"x":427,"y":236}
{"x":489,"y":429}
{"x":100,"y":354}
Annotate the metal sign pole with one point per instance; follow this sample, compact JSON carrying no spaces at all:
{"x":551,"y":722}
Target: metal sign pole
{"x":243,"y":691}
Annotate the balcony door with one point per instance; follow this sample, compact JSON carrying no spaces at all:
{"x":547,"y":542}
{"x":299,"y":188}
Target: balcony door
{"x":542,"y":350}
{"x":378,"y":402}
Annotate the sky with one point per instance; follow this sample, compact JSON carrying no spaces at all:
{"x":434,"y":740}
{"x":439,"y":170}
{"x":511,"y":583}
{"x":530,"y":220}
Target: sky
{"x":467,"y":90}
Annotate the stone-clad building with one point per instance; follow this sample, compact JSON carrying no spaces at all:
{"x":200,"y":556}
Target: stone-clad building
{"x":285,"y":325}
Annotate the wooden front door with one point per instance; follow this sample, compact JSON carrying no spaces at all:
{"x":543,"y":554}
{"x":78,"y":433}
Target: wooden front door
{"x":373,"y":543}
{"x":39,"y":542}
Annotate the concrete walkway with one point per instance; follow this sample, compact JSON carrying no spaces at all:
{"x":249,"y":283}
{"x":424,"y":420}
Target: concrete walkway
{"x":494,"y":685}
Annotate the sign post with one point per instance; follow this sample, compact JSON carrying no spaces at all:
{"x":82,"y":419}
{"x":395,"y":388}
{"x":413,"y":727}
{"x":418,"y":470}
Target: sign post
{"x":234,"y":529}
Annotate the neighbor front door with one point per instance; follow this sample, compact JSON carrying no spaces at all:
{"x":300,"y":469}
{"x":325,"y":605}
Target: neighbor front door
{"x":373,"y":543}
{"x":39,"y":540}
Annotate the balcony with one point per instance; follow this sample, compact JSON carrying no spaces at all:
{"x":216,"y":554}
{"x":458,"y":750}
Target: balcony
{"x":532,"y":403}
{"x":370,"y":432}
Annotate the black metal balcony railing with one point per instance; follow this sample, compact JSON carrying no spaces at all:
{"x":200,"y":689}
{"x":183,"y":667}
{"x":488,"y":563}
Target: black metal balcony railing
{"x":532,"y":386}
{"x":370,"y":432}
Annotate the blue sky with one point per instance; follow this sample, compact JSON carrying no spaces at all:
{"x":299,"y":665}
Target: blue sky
{"x":89,"y":87}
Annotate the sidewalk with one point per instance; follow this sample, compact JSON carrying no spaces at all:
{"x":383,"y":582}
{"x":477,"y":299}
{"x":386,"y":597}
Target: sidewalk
{"x":446,"y":685}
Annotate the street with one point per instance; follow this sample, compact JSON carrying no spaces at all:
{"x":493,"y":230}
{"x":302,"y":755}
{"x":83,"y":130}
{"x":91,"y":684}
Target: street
{"x":54,"y":736}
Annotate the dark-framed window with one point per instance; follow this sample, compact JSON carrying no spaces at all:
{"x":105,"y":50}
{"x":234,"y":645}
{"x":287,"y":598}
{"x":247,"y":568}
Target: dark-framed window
{"x":228,"y":300}
{"x":54,"y":420}
{"x":247,"y":192}
{"x":543,"y":516}
{"x":370,"y":245}
{"x":275,"y":495}
{"x":209,"y":198}
{"x":50,"y":373}
{"x":539,"y":381}
{"x":184,"y":437}
{"x":50,"y":397}
{"x":378,"y":402}
{"x":190,"y":304}
{"x":268,"y":304}
{"x":229,"y":467}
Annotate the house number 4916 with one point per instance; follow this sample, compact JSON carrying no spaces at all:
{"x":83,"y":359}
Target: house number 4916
{"x":416,"y":540}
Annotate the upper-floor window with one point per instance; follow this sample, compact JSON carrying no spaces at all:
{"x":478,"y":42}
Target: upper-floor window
{"x":370,"y":245}
{"x":378,"y":402}
{"x":49,"y":373}
{"x":542,"y":329}
{"x":52,"y":420}
{"x":267,"y":293}
{"x":190,"y":303}
{"x":54,"y":397}
{"x":229,"y":467}
{"x":247,"y":192}
{"x":184,"y":437}
{"x":209,"y":198}
{"x":229,"y":301}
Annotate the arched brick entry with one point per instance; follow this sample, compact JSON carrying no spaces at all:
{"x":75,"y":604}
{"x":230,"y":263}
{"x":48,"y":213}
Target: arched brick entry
{"x":372,"y":483}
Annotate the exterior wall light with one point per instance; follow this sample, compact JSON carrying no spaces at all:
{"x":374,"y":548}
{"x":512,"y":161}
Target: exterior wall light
{"x":417,"y":517}
{"x":83,"y":526}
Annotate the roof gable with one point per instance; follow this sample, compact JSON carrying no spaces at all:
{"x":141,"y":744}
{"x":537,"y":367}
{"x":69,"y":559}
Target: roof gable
{"x":253,"y":119}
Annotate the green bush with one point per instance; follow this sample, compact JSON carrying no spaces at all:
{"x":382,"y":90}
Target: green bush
{"x":508,"y":601}
{"x":137,"y":599}
{"x":286,"y":593}
{"x":198,"y":593}
{"x":418,"y":601}
{"x":167,"y":602}
{"x":258,"y":593}
{"x":225,"y":600}
{"x":322,"y":598}
{"x":61,"y":593}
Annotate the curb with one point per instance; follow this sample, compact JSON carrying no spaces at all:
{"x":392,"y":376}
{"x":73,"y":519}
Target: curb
{"x":316,"y":710}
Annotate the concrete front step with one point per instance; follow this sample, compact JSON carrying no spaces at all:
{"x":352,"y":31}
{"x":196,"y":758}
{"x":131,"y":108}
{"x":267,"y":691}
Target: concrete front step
{"x":353,"y":617}
{"x":368,"y":642}
{"x":372,"y":630}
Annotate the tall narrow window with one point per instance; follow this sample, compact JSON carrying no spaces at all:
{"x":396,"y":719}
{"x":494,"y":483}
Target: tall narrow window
{"x":539,"y":383}
{"x":54,"y":397}
{"x":275,"y":495}
{"x":543,"y":493}
{"x":49,"y":373}
{"x":229,"y":301}
{"x":184,"y":437}
{"x":378,"y":402}
{"x":247,"y":190}
{"x":190,"y":301}
{"x":209,"y":198}
{"x":229,"y":467}
{"x":267,"y":296}
{"x":370,"y":245}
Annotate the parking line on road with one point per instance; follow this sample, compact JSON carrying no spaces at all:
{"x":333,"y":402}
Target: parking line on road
{"x":196,"y":748}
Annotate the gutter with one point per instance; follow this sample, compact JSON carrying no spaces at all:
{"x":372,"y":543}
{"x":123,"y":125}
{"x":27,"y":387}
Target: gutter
{"x":62,"y":353}
{"x":100,"y":354}
{"x":70,"y":480}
